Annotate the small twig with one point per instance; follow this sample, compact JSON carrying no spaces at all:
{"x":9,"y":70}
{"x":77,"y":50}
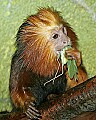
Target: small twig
{"x":56,"y":76}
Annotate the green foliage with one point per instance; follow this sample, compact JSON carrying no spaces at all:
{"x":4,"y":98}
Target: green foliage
{"x":71,"y":64}
{"x":72,"y":69}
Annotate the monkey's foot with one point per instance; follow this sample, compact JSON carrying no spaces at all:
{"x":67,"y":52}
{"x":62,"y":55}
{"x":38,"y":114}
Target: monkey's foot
{"x":32,"y":112}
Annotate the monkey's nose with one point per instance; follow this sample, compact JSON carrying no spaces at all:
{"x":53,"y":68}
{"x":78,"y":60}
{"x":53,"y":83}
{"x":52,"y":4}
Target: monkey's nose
{"x":65,"y":42}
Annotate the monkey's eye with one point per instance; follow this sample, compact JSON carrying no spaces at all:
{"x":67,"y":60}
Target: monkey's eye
{"x":55,"y":36}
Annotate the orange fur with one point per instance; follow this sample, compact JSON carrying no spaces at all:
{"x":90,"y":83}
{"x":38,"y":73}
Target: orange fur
{"x":39,"y":52}
{"x":82,"y":76}
{"x":35,"y":61}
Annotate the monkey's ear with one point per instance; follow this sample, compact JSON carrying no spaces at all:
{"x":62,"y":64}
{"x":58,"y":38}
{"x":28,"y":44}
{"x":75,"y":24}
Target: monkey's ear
{"x":71,"y":34}
{"x":64,"y":30}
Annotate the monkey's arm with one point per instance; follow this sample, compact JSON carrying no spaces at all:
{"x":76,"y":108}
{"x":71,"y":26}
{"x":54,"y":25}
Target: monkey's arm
{"x":21,"y":93}
{"x":82,"y":75}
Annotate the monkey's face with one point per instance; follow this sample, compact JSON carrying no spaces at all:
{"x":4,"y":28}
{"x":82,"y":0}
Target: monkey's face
{"x":60,"y":39}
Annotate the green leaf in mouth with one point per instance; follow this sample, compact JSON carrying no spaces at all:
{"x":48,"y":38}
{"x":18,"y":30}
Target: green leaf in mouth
{"x":71,"y":64}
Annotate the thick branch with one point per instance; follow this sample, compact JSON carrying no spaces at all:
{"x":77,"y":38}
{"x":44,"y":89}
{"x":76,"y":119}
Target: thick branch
{"x":75,"y":101}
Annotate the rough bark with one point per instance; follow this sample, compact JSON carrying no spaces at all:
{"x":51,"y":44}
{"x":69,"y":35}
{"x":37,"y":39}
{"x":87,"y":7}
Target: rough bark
{"x":69,"y":106}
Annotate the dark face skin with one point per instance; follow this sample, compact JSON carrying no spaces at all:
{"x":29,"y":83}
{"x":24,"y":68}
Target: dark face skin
{"x":60,"y":39}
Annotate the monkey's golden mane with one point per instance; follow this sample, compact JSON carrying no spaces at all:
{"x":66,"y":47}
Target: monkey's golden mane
{"x":39,"y":54}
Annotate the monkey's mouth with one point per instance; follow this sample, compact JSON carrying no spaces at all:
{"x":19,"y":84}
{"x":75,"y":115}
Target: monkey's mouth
{"x":59,"y":49}
{"x":58,"y":52}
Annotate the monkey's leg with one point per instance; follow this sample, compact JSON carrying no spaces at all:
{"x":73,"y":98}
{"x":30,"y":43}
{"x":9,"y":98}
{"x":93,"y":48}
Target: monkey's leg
{"x":22,"y":96}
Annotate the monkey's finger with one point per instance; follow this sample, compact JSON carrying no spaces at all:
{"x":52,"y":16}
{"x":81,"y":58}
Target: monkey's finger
{"x":32,"y":107}
{"x":32,"y":115}
{"x":33,"y":104}
{"x":32,"y":112}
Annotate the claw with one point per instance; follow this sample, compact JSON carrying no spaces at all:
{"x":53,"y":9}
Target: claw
{"x":32,"y":112}
{"x":32,"y":103}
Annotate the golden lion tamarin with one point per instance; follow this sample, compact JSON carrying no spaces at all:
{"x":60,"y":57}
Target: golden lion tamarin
{"x":39,"y":41}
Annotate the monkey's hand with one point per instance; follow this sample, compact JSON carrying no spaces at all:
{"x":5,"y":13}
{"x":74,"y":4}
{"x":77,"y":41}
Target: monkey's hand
{"x":73,"y":53}
{"x":31,"y":111}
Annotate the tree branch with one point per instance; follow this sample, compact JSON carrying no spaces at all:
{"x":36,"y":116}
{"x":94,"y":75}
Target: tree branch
{"x":73,"y":102}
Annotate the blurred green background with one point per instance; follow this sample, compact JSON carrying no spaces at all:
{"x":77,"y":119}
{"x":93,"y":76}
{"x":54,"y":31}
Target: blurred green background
{"x":80,"y":14}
